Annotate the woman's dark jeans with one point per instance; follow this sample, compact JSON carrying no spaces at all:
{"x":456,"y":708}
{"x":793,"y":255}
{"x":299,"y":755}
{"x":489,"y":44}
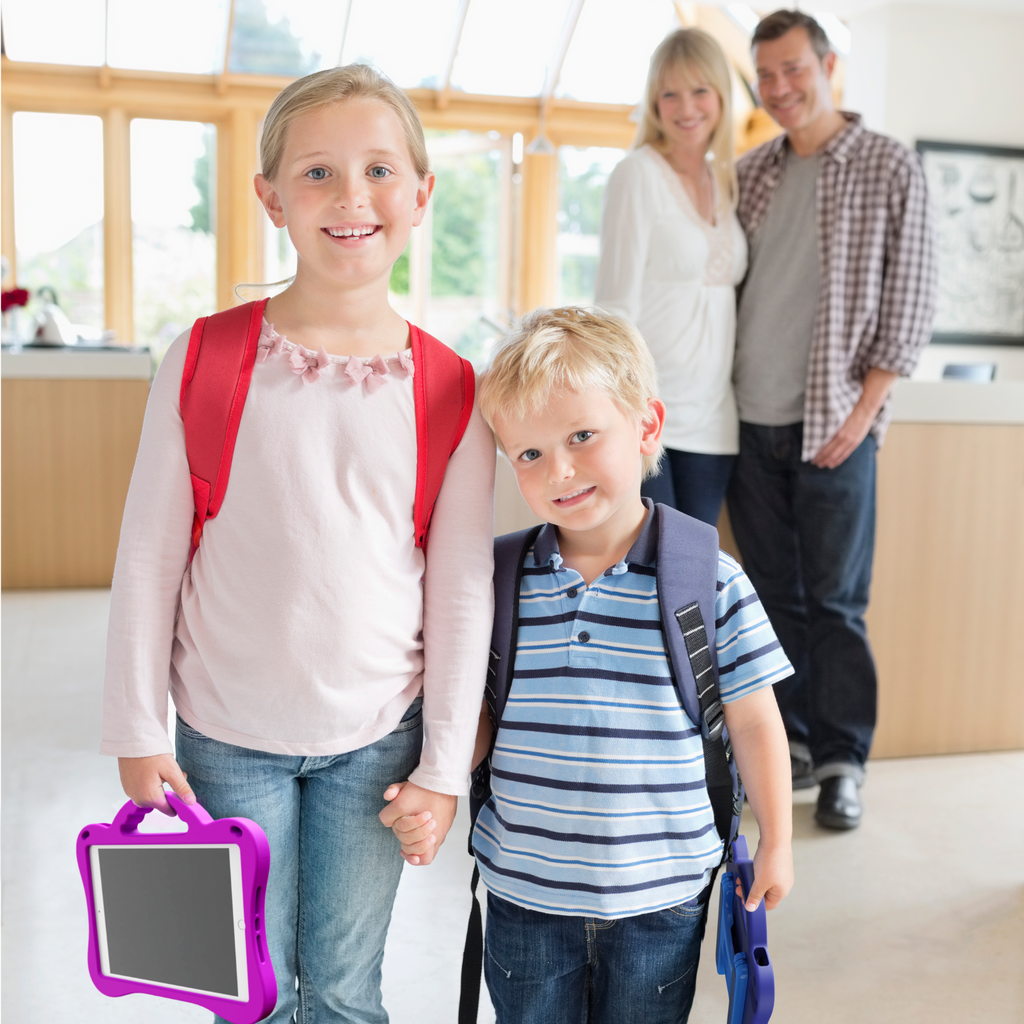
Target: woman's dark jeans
{"x":692,"y":482}
{"x":807,"y":537}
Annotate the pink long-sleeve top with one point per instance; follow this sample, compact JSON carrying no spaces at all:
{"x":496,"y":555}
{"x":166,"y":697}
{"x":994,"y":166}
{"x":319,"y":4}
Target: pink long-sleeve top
{"x":308,"y":621}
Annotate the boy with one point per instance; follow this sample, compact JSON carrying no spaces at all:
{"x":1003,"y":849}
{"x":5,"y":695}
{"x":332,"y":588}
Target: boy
{"x":598,"y":842}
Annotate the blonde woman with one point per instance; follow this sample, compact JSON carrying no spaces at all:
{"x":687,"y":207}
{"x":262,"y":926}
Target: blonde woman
{"x":672,"y":253}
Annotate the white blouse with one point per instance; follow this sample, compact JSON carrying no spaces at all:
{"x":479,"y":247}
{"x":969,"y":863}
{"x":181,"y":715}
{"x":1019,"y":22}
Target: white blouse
{"x":672,"y":274}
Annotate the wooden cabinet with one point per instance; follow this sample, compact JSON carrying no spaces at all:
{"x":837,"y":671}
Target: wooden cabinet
{"x":68,"y":449}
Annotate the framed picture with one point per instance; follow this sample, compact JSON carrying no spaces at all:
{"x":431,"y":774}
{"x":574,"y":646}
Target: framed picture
{"x":978,"y":196}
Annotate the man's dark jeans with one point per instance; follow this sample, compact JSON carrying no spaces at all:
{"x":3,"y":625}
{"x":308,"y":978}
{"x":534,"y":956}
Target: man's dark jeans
{"x":807,"y":537}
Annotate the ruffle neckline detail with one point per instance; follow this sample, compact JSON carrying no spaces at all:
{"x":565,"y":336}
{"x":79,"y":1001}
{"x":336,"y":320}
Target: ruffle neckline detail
{"x":371,"y":373}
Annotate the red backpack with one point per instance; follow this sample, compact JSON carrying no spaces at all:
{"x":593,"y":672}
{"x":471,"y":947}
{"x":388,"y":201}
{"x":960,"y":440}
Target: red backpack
{"x":215,"y":382}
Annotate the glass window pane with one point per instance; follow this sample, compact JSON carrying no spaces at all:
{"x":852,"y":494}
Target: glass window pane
{"x":286,"y":37}
{"x":56,"y":32}
{"x":611,"y":49}
{"x":153,"y":36}
{"x":59,"y":235}
{"x":505,"y":48}
{"x":412,"y":57}
{"x":582,"y":176}
{"x":453,"y":280}
{"x":174,"y":258}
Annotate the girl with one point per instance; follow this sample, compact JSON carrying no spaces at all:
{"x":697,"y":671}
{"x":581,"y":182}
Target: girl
{"x":315,"y":656}
{"x":672,"y":252}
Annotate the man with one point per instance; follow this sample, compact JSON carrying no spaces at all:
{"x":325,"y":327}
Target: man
{"x":837,"y":304}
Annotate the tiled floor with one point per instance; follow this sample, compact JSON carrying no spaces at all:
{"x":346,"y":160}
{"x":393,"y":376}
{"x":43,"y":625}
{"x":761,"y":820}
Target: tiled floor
{"x":918,"y":916}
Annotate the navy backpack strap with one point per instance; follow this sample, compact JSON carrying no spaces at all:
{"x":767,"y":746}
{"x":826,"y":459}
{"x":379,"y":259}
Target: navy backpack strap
{"x":509,"y":556}
{"x":687,"y":591}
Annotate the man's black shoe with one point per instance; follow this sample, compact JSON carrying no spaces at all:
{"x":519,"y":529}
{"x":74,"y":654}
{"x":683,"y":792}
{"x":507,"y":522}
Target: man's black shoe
{"x":803,"y":773}
{"x":838,"y":803}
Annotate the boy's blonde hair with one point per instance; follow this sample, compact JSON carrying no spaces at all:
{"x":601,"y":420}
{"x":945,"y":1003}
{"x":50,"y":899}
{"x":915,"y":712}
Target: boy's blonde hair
{"x":697,"y":56}
{"x":354,"y":81}
{"x":570,"y":349}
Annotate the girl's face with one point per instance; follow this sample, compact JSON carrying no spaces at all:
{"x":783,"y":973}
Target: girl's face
{"x":689,"y":110}
{"x":347,"y":190}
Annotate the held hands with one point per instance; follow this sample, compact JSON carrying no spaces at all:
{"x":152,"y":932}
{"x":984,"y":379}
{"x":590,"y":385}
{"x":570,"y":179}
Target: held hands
{"x":143,"y":778}
{"x":420,"y":819}
{"x":773,"y":877}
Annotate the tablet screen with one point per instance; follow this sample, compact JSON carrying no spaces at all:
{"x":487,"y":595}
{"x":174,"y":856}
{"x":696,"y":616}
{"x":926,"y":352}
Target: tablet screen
{"x":172,"y":915}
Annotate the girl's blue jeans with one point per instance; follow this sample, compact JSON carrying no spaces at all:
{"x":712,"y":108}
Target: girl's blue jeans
{"x":548,"y":969}
{"x":334,"y":867}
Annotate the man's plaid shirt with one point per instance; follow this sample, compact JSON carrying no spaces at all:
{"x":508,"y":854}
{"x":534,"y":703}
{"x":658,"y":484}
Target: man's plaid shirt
{"x":879,"y":273}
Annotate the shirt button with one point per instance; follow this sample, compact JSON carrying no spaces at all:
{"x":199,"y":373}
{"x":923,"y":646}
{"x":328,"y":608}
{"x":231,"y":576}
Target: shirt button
{"x":571,"y":592}
{"x":584,"y":637}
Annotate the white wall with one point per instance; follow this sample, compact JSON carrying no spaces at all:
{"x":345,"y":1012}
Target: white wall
{"x":922,"y":71}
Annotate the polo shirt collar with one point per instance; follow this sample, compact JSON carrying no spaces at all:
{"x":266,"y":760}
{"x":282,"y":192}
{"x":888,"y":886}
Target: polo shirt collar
{"x":643,"y":552}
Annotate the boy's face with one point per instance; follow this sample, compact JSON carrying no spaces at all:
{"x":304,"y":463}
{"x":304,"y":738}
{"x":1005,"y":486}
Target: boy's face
{"x":578,"y":461}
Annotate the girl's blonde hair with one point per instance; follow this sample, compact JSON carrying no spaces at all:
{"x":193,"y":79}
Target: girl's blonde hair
{"x":354,"y":81}
{"x":569,"y":349}
{"x":698,"y":58}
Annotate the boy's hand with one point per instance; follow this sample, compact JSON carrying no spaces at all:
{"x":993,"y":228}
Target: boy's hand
{"x":143,"y":778}
{"x":773,"y":877}
{"x":420,"y":818}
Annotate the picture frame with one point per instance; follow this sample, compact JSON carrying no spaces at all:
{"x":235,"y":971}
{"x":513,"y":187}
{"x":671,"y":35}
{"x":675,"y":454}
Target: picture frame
{"x":977,"y":193}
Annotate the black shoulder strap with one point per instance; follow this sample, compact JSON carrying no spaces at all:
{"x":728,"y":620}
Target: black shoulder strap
{"x":509,"y":556}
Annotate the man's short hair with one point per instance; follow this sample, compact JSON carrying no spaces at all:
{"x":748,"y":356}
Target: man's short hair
{"x":569,"y":349}
{"x":778,"y":24}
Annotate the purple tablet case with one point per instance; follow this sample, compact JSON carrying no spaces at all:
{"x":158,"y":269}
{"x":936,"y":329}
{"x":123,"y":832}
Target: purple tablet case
{"x":742,"y":953}
{"x":255,"y":864}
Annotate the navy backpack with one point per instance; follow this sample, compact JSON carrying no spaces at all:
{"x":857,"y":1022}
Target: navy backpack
{"x":687,"y":575}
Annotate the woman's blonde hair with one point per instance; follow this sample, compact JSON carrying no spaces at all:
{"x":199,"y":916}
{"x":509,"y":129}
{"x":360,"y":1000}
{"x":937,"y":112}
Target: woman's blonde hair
{"x":569,"y":349}
{"x":698,"y":58}
{"x":354,"y":81}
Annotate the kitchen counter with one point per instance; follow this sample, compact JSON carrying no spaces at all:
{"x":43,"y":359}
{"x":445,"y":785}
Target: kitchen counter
{"x":72,"y":417}
{"x":76,"y":363}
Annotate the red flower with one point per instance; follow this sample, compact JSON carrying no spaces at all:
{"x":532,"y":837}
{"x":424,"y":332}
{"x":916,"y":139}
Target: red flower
{"x":14,"y":297}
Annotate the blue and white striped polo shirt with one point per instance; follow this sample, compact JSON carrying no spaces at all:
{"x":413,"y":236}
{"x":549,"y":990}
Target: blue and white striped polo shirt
{"x":599,"y":806}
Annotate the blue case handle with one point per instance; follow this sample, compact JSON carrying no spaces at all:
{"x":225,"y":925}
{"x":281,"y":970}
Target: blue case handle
{"x":742,"y":950}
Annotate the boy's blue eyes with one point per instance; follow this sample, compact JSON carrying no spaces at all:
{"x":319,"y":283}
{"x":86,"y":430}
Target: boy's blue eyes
{"x":532,"y":454}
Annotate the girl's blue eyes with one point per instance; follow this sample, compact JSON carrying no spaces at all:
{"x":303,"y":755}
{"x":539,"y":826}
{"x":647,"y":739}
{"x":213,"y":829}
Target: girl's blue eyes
{"x":377,"y":173}
{"x":530,"y":455}
{"x":582,"y":435}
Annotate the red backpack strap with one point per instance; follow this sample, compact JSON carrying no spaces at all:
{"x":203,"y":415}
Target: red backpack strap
{"x":214,"y":384}
{"x":443,"y":384}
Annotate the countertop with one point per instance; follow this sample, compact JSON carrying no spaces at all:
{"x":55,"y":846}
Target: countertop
{"x":77,"y":363}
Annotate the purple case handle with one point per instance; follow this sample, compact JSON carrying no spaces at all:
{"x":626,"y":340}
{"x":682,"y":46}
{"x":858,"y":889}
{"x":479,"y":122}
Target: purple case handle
{"x":130,"y":816}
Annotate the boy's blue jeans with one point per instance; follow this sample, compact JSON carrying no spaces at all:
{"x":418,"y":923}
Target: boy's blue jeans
{"x":548,"y":969}
{"x":334,"y":867}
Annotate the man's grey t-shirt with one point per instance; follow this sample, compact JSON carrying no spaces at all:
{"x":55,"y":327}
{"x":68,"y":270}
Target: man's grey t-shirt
{"x":775,"y":322}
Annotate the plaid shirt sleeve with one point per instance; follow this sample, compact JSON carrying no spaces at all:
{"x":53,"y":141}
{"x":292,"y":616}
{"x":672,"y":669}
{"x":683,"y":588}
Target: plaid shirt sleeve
{"x":910,"y":274}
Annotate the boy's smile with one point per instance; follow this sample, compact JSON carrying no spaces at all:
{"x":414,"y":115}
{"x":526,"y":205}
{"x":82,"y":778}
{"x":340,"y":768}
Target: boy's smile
{"x":578,"y":463}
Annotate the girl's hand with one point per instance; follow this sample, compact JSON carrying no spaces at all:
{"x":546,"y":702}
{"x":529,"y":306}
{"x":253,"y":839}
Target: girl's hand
{"x":143,"y":778}
{"x":420,"y":819}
